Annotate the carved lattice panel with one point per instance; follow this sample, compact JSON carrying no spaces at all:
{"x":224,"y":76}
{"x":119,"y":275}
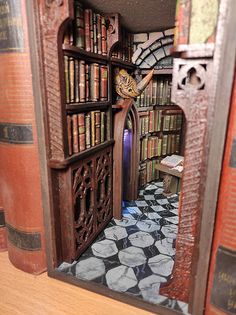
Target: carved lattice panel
{"x":92,"y":198}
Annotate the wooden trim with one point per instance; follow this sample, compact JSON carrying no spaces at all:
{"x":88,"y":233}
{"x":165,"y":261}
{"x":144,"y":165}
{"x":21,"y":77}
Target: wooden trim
{"x":224,"y":69}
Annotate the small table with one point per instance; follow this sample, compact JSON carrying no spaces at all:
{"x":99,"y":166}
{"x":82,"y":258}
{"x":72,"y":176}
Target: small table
{"x":171,"y":179}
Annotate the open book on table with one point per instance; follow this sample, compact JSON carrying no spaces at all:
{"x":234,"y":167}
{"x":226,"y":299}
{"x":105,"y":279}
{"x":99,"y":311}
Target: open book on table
{"x":174,"y":161}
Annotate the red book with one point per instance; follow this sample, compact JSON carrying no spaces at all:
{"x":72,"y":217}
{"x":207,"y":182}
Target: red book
{"x":87,"y":29}
{"x":103,"y":83}
{"x":94,"y":82}
{"x":82,"y":94}
{"x":75,"y":134}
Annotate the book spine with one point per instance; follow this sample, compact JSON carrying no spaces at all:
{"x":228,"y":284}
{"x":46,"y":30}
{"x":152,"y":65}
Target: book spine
{"x":87,"y":30}
{"x":72,"y":79}
{"x":91,"y":31}
{"x":69,"y":134}
{"x":103,"y":83}
{"x":67,"y":81}
{"x":99,"y":33}
{"x":79,"y":23}
{"x":94,"y":82}
{"x":104,"y":37}
{"x":75,"y":139}
{"x":87,"y":82}
{"x":97,"y":127}
{"x":81,"y":129}
{"x":82,"y":92}
{"x":103,"y":129}
{"x":95,"y":35}
{"x":93,"y":128}
{"x":76,"y":81}
{"x":88,"y":130}
{"x":19,"y":141}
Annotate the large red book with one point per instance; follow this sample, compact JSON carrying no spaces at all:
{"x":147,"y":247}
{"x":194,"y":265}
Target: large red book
{"x":221,"y":297}
{"x":20,"y":185}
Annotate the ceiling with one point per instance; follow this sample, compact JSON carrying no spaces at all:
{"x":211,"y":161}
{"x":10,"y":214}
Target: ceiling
{"x":139,"y":15}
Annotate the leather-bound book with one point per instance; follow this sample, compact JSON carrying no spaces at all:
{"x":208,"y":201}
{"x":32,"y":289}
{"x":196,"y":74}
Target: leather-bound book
{"x":91,"y":31}
{"x":75,"y":134}
{"x":67,"y":81}
{"x":72,"y":79}
{"x":99,"y":33}
{"x":81,"y":131}
{"x":82,"y":94}
{"x":79,"y":26}
{"x":88,"y":130}
{"x":103,"y":127}
{"x":87,"y":29}
{"x":104,"y":37}
{"x":87,"y":82}
{"x":95,"y":35}
{"x":97,"y":127}
{"x":93,"y":128}
{"x":103,"y":83}
{"x":76,"y":80}
{"x":94,"y":82}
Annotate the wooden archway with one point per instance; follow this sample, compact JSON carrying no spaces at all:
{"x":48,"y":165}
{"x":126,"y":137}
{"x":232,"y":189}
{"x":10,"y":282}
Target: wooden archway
{"x":126,"y":107}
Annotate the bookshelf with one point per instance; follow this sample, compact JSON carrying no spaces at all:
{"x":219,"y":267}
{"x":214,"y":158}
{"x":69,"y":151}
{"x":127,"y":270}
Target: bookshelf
{"x":92,"y":45}
{"x":160,"y":125}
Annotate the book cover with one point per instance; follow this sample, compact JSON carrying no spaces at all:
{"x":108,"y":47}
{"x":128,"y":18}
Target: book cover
{"x":67,"y":84}
{"x":103,"y":83}
{"x":82,"y":92}
{"x":75,"y":139}
{"x":99,"y":33}
{"x":88,"y":130}
{"x":97,"y":127}
{"x":76,"y":81}
{"x":79,"y":26}
{"x":103,"y":127}
{"x":81,"y":131}
{"x":72,"y":79}
{"x":87,"y":30}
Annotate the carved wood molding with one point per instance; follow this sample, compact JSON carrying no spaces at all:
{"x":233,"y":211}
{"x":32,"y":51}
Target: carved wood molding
{"x":85,"y":202}
{"x":191,"y":91}
{"x":53,"y":13}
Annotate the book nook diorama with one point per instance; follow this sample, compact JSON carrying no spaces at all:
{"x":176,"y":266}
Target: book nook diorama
{"x":116,"y":156}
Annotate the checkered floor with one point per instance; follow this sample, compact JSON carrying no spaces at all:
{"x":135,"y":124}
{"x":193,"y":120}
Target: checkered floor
{"x":136,"y":254}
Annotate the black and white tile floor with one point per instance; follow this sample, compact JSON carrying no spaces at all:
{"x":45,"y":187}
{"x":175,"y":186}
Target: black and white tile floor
{"x":136,"y":254}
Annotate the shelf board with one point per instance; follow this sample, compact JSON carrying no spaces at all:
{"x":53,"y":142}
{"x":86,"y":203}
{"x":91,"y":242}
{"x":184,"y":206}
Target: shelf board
{"x":79,"y":156}
{"x":122,"y":63}
{"x":153,"y":133}
{"x":77,"y":107}
{"x":158,"y":71}
{"x":151,"y":159}
{"x":75,"y":51}
{"x":160,"y":107}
